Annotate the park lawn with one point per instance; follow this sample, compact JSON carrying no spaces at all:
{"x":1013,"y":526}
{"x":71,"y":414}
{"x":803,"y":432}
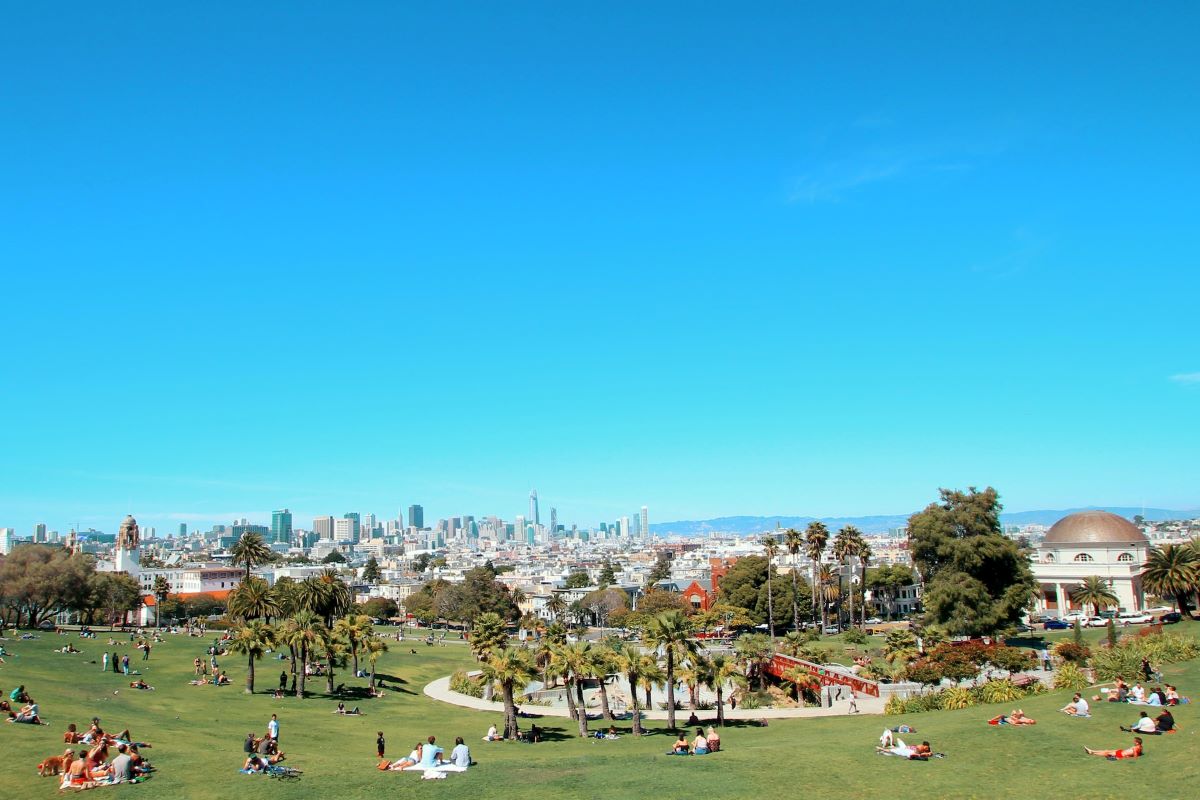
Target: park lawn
{"x":197,"y":734}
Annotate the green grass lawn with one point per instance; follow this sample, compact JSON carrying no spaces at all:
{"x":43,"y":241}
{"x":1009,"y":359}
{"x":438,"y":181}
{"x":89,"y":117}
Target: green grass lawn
{"x":197,"y":734}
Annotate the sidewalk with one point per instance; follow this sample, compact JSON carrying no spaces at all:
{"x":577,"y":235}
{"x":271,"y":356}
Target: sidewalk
{"x":440,"y":690}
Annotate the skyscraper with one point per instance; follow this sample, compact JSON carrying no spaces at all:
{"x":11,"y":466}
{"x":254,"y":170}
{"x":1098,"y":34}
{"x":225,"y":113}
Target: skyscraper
{"x":356,"y":527}
{"x":553,"y":522}
{"x":416,"y":517}
{"x":182,"y":530}
{"x":323,"y":527}
{"x":519,"y":529}
{"x":533,"y":508}
{"x":343,"y":529}
{"x":645,"y":531}
{"x":39,"y":532}
{"x":624,"y":527}
{"x":281,"y":527}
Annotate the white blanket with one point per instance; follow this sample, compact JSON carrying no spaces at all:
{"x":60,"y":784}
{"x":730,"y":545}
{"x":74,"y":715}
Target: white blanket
{"x":437,"y":768}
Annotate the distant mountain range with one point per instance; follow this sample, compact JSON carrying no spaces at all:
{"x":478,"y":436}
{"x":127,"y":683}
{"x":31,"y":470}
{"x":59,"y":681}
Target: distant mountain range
{"x":885,"y":522}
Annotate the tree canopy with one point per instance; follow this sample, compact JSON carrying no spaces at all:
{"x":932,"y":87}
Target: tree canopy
{"x":745,"y":586}
{"x":977,"y":581}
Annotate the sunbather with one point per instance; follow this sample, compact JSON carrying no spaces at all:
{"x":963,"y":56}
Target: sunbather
{"x":411,"y":760}
{"x":1129,"y":752}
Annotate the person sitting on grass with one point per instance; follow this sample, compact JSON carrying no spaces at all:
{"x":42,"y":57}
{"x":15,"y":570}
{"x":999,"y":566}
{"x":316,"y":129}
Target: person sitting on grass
{"x":714,"y":739}
{"x":28,"y":715}
{"x":680,"y":748}
{"x":79,"y":776}
{"x":411,"y":760}
{"x":431,"y":754}
{"x":700,"y":743}
{"x":254,"y":763}
{"x":1129,"y":752}
{"x":1078,"y":707}
{"x":492,"y":735}
{"x":460,"y":756}
{"x":1172,"y":695}
{"x":140,"y":684}
{"x":1143,"y":725}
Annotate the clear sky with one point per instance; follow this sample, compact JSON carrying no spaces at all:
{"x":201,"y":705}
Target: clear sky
{"x":814,"y":259}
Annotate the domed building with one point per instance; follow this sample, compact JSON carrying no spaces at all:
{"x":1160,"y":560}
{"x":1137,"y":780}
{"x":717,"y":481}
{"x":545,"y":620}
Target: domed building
{"x":1090,"y":543}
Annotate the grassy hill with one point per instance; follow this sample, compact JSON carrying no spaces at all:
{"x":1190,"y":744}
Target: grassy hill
{"x":197,"y":734}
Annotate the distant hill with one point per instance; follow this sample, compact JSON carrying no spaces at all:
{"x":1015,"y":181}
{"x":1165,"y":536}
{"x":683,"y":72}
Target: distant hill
{"x":884,"y":522}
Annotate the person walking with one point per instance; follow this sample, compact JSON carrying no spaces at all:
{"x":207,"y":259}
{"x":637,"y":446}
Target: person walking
{"x":146,"y":651}
{"x":116,"y":663}
{"x":104,"y":663}
{"x":273,"y":728}
{"x":853,"y":702}
{"x":125,"y":664}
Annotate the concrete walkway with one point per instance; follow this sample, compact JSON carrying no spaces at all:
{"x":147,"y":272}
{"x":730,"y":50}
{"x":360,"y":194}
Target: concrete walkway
{"x":440,"y":690}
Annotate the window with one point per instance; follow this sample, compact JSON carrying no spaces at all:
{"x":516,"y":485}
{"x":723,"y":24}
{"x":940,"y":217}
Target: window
{"x":1049,"y":558}
{"x":1125,"y":557}
{"x":1084,"y":557}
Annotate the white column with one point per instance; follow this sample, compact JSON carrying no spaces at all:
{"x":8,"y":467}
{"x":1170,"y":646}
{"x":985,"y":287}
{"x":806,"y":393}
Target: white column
{"x":1063,"y":604}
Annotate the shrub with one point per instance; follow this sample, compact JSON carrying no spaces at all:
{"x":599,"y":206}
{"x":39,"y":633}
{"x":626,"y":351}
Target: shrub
{"x":1072,"y":653}
{"x":895,"y":705}
{"x":750,"y":701}
{"x":854,"y":636}
{"x":1070,"y":676}
{"x":463,"y":683}
{"x":1010,"y":659}
{"x":1125,"y":659}
{"x":955,"y":698}
{"x":1035,"y":688}
{"x":925,"y":702}
{"x":1003,"y":691}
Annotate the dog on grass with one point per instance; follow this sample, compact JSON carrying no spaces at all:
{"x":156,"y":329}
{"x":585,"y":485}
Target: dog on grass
{"x":56,"y":765}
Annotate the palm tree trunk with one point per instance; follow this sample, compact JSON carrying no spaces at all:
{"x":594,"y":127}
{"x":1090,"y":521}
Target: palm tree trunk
{"x":604,"y":699}
{"x":354,"y":653}
{"x":670,"y":689}
{"x":795,"y":599}
{"x":649,"y":699}
{"x":637,"y":712}
{"x":720,"y":706}
{"x":250,"y":676}
{"x":770,"y":602}
{"x":510,"y":711}
{"x":372,"y":677}
{"x":328,"y":672}
{"x":582,"y":711}
{"x":571,"y":709}
{"x":302,"y":672}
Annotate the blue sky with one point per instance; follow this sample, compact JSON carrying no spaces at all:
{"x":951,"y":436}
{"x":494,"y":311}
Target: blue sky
{"x":353,"y":256}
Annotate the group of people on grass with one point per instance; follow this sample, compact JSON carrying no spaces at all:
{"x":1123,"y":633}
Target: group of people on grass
{"x":1121,"y":692}
{"x":262,"y":752}
{"x":428,"y":755}
{"x":21,"y":708}
{"x":90,"y":766}
{"x":702,"y":745}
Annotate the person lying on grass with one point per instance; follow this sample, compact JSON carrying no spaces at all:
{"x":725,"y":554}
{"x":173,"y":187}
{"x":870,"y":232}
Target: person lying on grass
{"x":1129,"y":752}
{"x":1017,"y":717}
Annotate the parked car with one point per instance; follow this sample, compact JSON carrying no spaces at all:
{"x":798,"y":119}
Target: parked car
{"x":1096,"y":622}
{"x":874,"y":621}
{"x":1134,"y":618}
{"x":1076,"y":616}
{"x":1055,"y":624}
{"x":831,"y":630}
{"x":1171,"y":617}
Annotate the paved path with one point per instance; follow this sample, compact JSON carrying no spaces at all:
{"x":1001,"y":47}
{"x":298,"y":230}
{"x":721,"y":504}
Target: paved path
{"x":440,"y":690}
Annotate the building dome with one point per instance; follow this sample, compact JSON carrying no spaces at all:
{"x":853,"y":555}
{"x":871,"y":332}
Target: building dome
{"x":1092,"y":528}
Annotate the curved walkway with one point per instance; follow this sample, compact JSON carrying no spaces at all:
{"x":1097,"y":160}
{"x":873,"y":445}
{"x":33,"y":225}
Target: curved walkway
{"x":440,"y":690}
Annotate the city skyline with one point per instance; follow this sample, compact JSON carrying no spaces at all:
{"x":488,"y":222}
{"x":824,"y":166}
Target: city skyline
{"x":779,"y":262}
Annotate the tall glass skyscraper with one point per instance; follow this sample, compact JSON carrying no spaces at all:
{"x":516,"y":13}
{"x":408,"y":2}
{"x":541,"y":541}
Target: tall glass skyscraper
{"x":534,"y":517}
{"x":416,"y":517}
{"x":281,"y":527}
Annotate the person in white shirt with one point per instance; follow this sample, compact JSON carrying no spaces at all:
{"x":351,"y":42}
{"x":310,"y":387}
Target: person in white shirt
{"x":273,"y":727}
{"x":460,"y":756}
{"x":491,"y":735}
{"x":1144,"y":725}
{"x":1137,"y":693}
{"x":1078,"y":707}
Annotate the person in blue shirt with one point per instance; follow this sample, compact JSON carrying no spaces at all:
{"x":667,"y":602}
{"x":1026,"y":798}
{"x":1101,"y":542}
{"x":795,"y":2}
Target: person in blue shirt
{"x":431,"y":755}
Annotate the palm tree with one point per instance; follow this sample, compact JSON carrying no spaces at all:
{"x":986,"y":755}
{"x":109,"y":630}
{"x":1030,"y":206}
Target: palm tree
{"x":771,"y":546}
{"x":829,"y":590}
{"x":573,"y":661}
{"x":1096,"y":591}
{"x":251,"y":551}
{"x":651,"y":674}
{"x":690,"y":674}
{"x":864,"y":557}
{"x":670,"y":633}
{"x":793,"y":644}
{"x":162,"y":588}
{"x":600,"y":667}
{"x":757,"y":651}
{"x":816,"y":535}
{"x":801,"y":681}
{"x":374,"y":647}
{"x":845,"y":545}
{"x":557,"y":606}
{"x":352,"y":629}
{"x":794,"y":543}
{"x":1172,"y":570}
{"x":628,"y":659}
{"x":304,"y":631}
{"x":900,"y":645}
{"x":325,"y":595}
{"x":721,"y":670}
{"x":252,"y":640}
{"x":512,"y":668}
{"x":252,"y":599}
{"x":335,"y":655}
